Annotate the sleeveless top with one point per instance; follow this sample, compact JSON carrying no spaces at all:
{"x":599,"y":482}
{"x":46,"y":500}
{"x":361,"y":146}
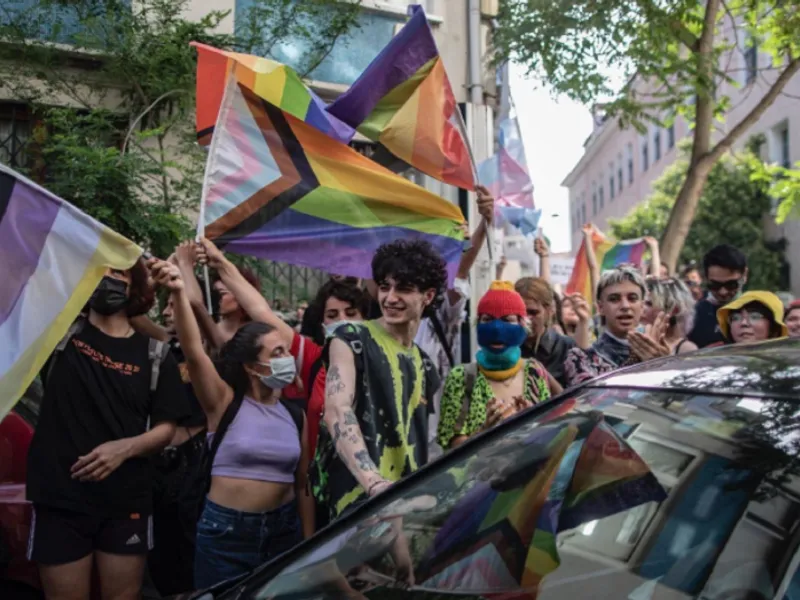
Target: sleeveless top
{"x":262,"y":444}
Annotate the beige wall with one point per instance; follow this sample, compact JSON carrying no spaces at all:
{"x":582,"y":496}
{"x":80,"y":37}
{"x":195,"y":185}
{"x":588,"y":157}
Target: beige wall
{"x":608,"y":141}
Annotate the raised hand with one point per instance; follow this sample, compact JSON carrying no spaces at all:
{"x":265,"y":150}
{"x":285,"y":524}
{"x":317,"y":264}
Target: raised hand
{"x":581,"y":307}
{"x":540,"y":247}
{"x":485,"y":204}
{"x":186,"y":254}
{"x":208,"y":253}
{"x":166,"y":274}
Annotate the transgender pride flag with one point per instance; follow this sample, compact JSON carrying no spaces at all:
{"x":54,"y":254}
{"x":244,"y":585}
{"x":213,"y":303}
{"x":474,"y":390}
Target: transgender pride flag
{"x":506,"y":175}
{"x":52,"y":256}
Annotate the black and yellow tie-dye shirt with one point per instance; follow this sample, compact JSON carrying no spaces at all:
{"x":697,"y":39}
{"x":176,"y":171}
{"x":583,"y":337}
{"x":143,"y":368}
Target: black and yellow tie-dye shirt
{"x":394,"y":390}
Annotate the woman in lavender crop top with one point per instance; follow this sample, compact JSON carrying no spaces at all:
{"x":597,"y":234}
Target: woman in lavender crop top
{"x":258,"y":506}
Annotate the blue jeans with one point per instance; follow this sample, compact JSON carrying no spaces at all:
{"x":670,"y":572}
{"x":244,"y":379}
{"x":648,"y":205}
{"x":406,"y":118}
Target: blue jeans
{"x":231,"y":543}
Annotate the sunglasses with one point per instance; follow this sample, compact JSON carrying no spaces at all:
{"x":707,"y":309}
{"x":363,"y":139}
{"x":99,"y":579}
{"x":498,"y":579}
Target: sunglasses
{"x":691,"y":284}
{"x":731,"y":285}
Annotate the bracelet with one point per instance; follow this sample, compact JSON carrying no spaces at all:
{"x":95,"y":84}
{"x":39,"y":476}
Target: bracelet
{"x":374,"y":485}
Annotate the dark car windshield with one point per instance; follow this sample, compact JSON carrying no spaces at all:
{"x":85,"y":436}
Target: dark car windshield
{"x":615,"y":493}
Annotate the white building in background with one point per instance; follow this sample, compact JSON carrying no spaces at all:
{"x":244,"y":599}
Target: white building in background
{"x":619,"y":166}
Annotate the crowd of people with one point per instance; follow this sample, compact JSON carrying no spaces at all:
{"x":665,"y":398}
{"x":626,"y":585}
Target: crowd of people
{"x":227,"y":439}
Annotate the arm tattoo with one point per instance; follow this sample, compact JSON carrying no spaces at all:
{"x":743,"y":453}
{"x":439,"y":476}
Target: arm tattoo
{"x":350,"y":418}
{"x":364,"y":461}
{"x":333,"y":383}
{"x":337,"y":433}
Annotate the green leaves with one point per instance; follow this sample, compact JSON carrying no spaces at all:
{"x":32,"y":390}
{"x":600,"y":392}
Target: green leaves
{"x":732,"y":208}
{"x":129,"y":75}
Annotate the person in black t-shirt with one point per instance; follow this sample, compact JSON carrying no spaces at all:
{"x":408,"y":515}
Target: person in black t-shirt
{"x":725,"y":269}
{"x":89,"y":476}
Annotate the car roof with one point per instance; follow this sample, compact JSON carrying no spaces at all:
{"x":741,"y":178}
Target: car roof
{"x":768,"y":369}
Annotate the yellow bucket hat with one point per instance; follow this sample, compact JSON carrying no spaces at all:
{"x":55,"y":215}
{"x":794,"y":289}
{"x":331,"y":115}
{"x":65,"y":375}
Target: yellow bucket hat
{"x":766,"y":299}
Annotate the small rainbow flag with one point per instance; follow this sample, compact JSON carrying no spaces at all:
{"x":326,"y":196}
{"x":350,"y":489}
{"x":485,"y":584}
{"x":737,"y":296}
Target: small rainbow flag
{"x":276,"y":83}
{"x":278,"y":188}
{"x":404,"y":100}
{"x":627,"y":252}
{"x":54,"y":257}
{"x":580,"y":282}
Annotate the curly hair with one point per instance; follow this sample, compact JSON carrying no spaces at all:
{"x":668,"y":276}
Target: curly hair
{"x":342,"y":290}
{"x":413,"y":263}
{"x":243,"y":348}
{"x":141,"y":294}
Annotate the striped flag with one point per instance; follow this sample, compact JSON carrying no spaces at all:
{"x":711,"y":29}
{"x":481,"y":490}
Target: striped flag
{"x":280,"y":189}
{"x":626,"y":252}
{"x":404,"y":100}
{"x":580,"y":282}
{"x":276,"y":83}
{"x":53,"y":257}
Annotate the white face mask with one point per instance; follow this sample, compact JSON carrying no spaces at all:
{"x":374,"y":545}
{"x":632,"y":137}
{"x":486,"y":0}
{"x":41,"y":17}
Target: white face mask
{"x":284,"y":372}
{"x":331,"y":328}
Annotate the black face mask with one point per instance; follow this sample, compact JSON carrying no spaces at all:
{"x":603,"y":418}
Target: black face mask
{"x":110,"y":297}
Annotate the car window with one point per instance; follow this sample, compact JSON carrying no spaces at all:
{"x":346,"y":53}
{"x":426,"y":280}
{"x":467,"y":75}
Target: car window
{"x":615,"y":493}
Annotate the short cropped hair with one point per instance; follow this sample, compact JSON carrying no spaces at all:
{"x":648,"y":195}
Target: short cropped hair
{"x":620,"y":275}
{"x":725,"y":256}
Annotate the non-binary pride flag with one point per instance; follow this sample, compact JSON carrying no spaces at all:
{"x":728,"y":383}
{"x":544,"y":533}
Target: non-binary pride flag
{"x":626,"y":252}
{"x":53,"y":257}
{"x":280,"y":189}
{"x":404,"y":100}
{"x":278,"y":84}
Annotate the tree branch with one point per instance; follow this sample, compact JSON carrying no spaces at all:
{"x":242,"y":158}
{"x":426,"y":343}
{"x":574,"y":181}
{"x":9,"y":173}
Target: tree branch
{"x":755,"y":114}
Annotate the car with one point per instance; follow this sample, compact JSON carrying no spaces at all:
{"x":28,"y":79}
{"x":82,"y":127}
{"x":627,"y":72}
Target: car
{"x":673,"y":479}
{"x":19,"y":578}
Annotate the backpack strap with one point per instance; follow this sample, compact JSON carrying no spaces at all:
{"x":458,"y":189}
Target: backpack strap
{"x":296,"y":413}
{"x":157,"y":354}
{"x":219,"y":434}
{"x":438,"y":329}
{"x":470,"y":375}
{"x":74,"y":329}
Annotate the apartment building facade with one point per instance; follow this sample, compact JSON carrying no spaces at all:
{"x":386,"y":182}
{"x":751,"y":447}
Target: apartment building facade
{"x":379,"y":21}
{"x":619,"y":166}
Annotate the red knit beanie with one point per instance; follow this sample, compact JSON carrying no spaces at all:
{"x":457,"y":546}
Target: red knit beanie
{"x":501,"y":301}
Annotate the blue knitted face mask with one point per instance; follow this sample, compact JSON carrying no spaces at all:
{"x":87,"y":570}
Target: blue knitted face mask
{"x":508,"y":337}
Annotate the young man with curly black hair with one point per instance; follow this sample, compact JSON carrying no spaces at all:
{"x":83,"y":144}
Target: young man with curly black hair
{"x":379,"y":383}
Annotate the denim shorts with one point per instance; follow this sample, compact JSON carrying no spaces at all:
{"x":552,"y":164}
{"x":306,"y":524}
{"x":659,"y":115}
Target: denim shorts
{"x":231,"y":543}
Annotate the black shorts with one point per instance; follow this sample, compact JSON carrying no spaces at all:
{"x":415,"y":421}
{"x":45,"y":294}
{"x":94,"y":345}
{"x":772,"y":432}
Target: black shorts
{"x":58,"y":537}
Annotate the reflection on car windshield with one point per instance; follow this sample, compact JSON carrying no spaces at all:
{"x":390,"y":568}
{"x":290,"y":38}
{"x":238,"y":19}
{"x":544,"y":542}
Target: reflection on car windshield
{"x":615,"y":493}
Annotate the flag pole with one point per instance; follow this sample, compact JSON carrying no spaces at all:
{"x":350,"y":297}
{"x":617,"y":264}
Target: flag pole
{"x":468,"y":139}
{"x":201,"y":218}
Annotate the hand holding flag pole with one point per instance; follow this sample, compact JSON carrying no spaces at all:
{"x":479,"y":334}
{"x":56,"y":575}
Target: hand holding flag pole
{"x":468,"y":143}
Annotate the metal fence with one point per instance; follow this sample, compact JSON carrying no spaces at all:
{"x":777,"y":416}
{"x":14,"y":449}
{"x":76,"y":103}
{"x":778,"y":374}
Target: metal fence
{"x":284,"y":286}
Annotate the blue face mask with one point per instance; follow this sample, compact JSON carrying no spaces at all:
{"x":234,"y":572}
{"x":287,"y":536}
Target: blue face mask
{"x":509,"y":338}
{"x":499,"y":332}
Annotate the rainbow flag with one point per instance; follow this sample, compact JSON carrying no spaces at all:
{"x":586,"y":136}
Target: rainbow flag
{"x":280,"y":189}
{"x":404,"y":100}
{"x":627,"y":252}
{"x":580,"y":282}
{"x":274,"y":82}
{"x":53,"y":257}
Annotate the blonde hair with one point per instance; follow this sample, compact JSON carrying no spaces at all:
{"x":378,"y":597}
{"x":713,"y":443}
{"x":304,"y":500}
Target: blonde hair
{"x":672,"y":297}
{"x":537,"y":289}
